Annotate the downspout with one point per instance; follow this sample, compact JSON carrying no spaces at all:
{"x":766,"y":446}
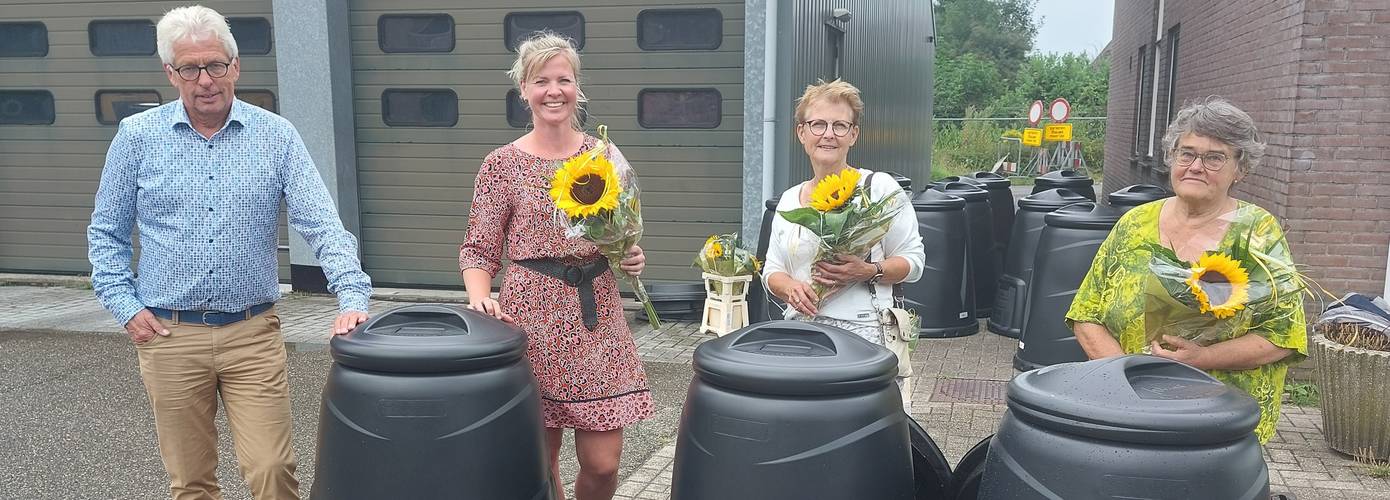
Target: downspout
{"x":770,"y":38}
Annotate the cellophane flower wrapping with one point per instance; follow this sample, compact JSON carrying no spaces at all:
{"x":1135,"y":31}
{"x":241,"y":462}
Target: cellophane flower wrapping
{"x":847,"y":220}
{"x":724,"y":255}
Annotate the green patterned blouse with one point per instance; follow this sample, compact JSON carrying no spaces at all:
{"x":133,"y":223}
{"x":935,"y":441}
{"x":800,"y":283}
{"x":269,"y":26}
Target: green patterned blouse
{"x":1113,"y":293}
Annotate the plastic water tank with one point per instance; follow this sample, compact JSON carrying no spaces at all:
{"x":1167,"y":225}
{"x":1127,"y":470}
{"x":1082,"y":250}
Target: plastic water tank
{"x":983,"y":261}
{"x":1125,"y":427}
{"x":789,"y":410}
{"x":1001,"y":205}
{"x":675,"y":301}
{"x":1068,"y":178}
{"x":1011,"y":296}
{"x":1066,"y":248}
{"x":944,"y":297}
{"x":1135,"y":195}
{"x":428,"y":401}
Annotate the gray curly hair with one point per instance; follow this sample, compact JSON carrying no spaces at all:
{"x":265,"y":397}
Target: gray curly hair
{"x":1218,"y":119}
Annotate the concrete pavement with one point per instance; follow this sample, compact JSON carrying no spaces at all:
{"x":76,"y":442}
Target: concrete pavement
{"x":77,"y":424}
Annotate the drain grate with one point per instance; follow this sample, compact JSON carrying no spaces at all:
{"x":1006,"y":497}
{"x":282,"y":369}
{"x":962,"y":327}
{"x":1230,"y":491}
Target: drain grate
{"x":969,"y":390}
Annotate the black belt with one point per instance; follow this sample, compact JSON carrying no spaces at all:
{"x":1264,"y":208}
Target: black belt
{"x":580,"y":277}
{"x":211,"y":318}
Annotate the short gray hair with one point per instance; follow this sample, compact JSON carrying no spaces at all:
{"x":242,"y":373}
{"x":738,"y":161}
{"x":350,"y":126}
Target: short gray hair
{"x":1218,"y":119}
{"x":196,"y":23}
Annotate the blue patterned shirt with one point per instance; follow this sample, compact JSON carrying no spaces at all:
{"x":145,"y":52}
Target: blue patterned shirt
{"x":208,"y":213}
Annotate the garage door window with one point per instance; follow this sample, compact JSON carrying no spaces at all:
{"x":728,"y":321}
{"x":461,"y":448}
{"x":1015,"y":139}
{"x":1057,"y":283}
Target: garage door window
{"x":405,"y":33}
{"x":121,"y":38}
{"x":26,"y":107}
{"x":23,"y":40}
{"x":680,"y":29}
{"x":262,"y":98}
{"x":114,"y":105}
{"x":679,"y":108}
{"x":419,"y":108}
{"x":521,"y":25}
{"x":252,"y":35}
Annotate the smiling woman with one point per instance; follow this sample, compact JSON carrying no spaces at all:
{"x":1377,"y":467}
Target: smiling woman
{"x":1201,"y":278}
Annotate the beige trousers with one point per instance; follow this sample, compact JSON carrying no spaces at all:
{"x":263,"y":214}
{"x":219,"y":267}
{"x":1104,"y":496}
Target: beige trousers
{"x":244,"y":363}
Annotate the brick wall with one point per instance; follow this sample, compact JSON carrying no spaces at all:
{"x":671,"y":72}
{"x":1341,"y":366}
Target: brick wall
{"x":1339,"y":202}
{"x":1315,"y":76}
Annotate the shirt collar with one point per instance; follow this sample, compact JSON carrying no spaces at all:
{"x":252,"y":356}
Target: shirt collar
{"x":177,"y":114}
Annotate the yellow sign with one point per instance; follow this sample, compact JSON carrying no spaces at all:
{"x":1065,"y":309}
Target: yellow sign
{"x":1032,"y":137}
{"x":1057,"y":132}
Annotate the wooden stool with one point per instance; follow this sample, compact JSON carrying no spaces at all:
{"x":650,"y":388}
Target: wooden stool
{"x":726,"y":309}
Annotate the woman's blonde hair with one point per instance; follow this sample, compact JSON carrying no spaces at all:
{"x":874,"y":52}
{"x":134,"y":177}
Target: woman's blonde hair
{"x":534,"y":53}
{"x":836,"y":91}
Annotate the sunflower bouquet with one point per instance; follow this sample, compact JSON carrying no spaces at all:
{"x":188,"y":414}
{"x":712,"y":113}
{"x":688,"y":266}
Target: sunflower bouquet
{"x":847,"y":219}
{"x":1222,"y":294}
{"x":597,"y":199}
{"x":724,"y":255}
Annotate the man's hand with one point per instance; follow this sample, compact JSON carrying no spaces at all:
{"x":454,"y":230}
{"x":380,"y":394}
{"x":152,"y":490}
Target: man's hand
{"x":634,"y":262}
{"x":347,"y":321}
{"x":144,"y":326}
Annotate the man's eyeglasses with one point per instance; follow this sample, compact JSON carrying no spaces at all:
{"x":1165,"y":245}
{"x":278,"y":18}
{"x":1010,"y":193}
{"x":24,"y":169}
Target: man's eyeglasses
{"x":1210,"y":161}
{"x":192,"y":71}
{"x":818,"y":127}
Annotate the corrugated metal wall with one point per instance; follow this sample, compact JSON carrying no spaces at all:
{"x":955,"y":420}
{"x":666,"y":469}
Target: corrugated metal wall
{"x":416,"y":182}
{"x":888,"y":52}
{"x":49,"y":172}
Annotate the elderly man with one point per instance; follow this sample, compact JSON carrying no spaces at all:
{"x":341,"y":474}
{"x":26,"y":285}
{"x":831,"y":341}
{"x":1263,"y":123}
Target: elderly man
{"x":203,"y":177}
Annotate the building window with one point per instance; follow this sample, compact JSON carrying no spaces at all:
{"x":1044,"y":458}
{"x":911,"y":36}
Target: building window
{"x":115,"y":105}
{"x":403,"y":33}
{"x":252,"y":35}
{"x":121,"y":38}
{"x":520,"y":117}
{"x":419,"y":107}
{"x":679,"y":108}
{"x":834,"y":51}
{"x":28,"y":39}
{"x":1142,"y":79}
{"x":261,"y":98}
{"x":518,"y":26}
{"x":1172,"y":74}
{"x":26,"y":107}
{"x":680,"y":29}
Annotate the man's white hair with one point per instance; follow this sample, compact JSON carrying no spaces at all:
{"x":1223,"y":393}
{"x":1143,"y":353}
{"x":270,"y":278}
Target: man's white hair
{"x":195,"y":23}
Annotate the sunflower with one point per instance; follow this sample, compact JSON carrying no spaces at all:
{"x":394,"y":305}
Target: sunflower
{"x":715,"y":250}
{"x":1220,"y":284}
{"x":585,"y":185}
{"x":834,"y":190}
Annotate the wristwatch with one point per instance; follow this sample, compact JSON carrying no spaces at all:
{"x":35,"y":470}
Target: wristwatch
{"x":878,"y":273}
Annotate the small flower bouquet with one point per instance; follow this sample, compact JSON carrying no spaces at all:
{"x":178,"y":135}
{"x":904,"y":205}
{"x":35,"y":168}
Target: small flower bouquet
{"x":723,"y":255}
{"x":1222,"y":294}
{"x":846,"y":217}
{"x":597,"y":198}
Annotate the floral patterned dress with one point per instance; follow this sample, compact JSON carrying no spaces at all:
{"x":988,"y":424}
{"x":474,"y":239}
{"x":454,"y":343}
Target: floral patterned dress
{"x":1113,"y":293}
{"x":589,"y":379}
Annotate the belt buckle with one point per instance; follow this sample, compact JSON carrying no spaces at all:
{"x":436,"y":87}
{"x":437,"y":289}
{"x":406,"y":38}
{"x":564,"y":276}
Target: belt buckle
{"x":574,"y":275}
{"x":205,"y":317}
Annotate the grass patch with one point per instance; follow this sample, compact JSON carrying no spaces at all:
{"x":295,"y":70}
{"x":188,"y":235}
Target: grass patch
{"x":1379,"y":469}
{"x":1302,"y":394}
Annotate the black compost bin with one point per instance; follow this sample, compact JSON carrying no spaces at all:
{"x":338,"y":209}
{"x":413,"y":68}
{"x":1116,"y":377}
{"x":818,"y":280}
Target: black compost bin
{"x":675,"y":300}
{"x":904,"y":181}
{"x":1133,"y":196}
{"x":944,"y":297}
{"x":1068,"y":178}
{"x":763,"y":306}
{"x":1001,"y":206}
{"x":983,"y":260}
{"x":793,"y":410}
{"x":1125,"y":427}
{"x":1066,"y":248}
{"x":1010,"y":298}
{"x":430,"y":401}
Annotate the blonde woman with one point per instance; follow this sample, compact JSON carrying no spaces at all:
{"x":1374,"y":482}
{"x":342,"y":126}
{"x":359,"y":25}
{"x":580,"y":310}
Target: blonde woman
{"x":581,"y":351}
{"x":827,"y":124}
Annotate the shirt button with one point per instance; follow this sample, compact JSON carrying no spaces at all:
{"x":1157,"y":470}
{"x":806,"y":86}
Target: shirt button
{"x":209,"y":209}
{"x":209,"y":272}
{"x":209,"y":177}
{"x":209,"y":146}
{"x":209,"y":240}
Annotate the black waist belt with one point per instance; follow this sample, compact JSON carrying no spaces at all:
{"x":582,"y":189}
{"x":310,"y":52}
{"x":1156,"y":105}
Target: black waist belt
{"x":580,"y":277}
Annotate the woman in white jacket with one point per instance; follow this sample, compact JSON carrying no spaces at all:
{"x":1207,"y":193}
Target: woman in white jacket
{"x":827,"y":124}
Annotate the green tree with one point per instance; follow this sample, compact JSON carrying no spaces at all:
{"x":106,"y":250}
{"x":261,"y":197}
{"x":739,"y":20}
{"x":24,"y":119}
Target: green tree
{"x":998,"y":31}
{"x":965,"y":81}
{"x":1048,"y":76}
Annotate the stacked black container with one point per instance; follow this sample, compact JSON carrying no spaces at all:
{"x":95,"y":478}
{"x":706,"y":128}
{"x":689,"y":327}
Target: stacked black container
{"x":944,"y":297}
{"x":763,"y":306}
{"x":983,"y":256}
{"x":1067,"y":178}
{"x":1135,"y":195}
{"x":1011,"y":298}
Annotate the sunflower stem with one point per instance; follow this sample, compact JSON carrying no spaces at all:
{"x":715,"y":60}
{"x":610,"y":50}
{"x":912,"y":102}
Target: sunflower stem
{"x":640,"y":291}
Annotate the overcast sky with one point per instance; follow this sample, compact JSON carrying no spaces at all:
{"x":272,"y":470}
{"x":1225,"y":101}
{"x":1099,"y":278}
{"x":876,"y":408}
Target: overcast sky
{"x":1073,"y":25}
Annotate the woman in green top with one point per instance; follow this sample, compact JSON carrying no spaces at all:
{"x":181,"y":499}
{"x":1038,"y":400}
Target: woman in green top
{"x":1210,"y":147}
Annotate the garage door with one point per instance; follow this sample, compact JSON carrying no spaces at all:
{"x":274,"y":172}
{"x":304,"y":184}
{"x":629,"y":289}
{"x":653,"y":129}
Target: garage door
{"x":69,"y":71}
{"x":667,"y":79}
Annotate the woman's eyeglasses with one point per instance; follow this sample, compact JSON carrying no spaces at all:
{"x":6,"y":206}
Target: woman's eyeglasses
{"x":818,"y":127}
{"x":1210,"y":161}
